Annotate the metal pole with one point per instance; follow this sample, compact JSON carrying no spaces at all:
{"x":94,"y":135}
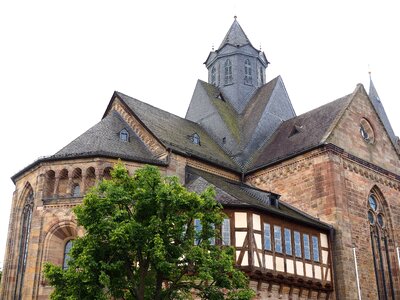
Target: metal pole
{"x":357,"y":278}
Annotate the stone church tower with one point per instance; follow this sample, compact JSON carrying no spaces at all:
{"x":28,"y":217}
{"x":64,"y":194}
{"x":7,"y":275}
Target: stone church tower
{"x":312,"y":201}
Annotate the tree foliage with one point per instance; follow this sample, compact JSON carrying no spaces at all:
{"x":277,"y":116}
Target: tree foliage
{"x":141,"y":243}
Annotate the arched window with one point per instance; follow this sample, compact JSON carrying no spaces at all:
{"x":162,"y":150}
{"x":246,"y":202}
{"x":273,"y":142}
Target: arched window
{"x":247,"y":72}
{"x":228,"y":72}
{"x":195,"y":138}
{"x":67,"y":257}
{"x":124,"y":135}
{"x":213,"y":76}
{"x":26,"y":220}
{"x":380,"y":248}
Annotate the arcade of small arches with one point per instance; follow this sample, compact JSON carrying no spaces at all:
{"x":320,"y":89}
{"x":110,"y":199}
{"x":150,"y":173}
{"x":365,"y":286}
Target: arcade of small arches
{"x":65,"y":183}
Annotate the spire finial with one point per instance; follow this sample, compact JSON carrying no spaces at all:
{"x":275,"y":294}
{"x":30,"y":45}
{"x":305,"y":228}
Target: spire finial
{"x":260,"y":47}
{"x":369,"y":71}
{"x":235,"y":17}
{"x":212,"y":47}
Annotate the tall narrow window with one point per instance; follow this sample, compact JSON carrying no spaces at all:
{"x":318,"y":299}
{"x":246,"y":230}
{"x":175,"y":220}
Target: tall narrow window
{"x":315,"y":246}
{"x":278,"y":239}
{"x":67,"y":250}
{"x":248,"y":78}
{"x":261,"y":74}
{"x":288,"y":241}
{"x":297,"y":244}
{"x":23,"y":244}
{"x":380,"y":246}
{"x":197,"y":231}
{"x":267,"y":237}
{"x":228,"y":72}
{"x":306,"y":243}
{"x":226,"y":232}
{"x":213,"y":76}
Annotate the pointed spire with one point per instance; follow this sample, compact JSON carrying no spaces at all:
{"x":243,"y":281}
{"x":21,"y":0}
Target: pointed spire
{"x":376,"y":102}
{"x":235,"y":35}
{"x":373,"y":94}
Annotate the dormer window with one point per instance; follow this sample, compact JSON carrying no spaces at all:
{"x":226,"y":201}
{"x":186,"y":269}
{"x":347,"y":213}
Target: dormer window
{"x":247,"y":72}
{"x":228,"y":72}
{"x":124,"y":135}
{"x":195,"y":138}
{"x":213,"y":76}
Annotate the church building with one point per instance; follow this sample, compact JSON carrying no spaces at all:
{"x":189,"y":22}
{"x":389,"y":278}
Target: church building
{"x":312,"y":201}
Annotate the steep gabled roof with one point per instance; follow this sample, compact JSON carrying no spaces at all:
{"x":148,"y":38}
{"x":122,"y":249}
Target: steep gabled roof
{"x":232,"y":194}
{"x":235,"y":36}
{"x":300,"y":133}
{"x":176,"y":133}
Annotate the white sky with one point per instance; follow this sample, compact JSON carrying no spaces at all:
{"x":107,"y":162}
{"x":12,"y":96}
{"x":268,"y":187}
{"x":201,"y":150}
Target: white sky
{"x":60,"y":61}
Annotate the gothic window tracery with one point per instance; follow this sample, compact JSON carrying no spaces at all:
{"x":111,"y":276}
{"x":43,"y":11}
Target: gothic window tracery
{"x":380,"y":246}
{"x":26,"y":221}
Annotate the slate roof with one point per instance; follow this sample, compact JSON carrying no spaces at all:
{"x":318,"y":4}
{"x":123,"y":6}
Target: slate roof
{"x":299,"y":134}
{"x":104,"y":137}
{"x":239,"y":195}
{"x":235,"y":36}
{"x":380,"y":110}
{"x":175,"y":132}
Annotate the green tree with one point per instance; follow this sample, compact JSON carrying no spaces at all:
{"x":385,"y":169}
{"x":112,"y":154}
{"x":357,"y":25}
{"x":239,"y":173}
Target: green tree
{"x":141,"y":243}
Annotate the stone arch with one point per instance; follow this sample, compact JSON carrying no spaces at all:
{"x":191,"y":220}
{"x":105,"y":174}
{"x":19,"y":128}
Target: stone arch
{"x":382,"y":244}
{"x":56,"y":238}
{"x":49,"y":184}
{"x":107,"y":173}
{"x":76,"y":182}
{"x":63,"y":182}
{"x":90,"y":178}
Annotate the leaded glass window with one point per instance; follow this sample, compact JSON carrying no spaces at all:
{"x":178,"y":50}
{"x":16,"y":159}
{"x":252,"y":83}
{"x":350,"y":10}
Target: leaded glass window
{"x":226,"y":232}
{"x":228,"y":72}
{"x":372,"y":202}
{"x":247,"y":72}
{"x":315,"y":245}
{"x":278,"y":239}
{"x":297,"y":243}
{"x":306,"y":244}
{"x":213,"y":76}
{"x":267,"y":237}
{"x":288,"y":241}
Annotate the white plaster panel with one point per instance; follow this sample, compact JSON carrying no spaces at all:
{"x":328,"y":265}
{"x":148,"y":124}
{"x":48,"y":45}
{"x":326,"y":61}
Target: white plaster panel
{"x":309,"y":272}
{"x":256,"y":222}
{"x":324,"y":240}
{"x":290,"y":266}
{"x":269,"y":262}
{"x":240,"y":220}
{"x":317,"y":272}
{"x":239,"y":238}
{"x":324,"y":257}
{"x":257,"y":238}
{"x":280,"y":264}
{"x":245,"y":261}
{"x":328,"y":276}
{"x":299,"y":268}
{"x":255,"y":260}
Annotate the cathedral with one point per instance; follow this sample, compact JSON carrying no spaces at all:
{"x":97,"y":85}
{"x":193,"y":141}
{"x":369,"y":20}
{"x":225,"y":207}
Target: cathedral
{"x":312,"y":201}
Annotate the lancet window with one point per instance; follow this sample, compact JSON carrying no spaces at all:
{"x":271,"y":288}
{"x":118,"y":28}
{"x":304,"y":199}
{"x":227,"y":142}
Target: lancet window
{"x":228,"y":72}
{"x":380,"y":246}
{"x":248,"y":78}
